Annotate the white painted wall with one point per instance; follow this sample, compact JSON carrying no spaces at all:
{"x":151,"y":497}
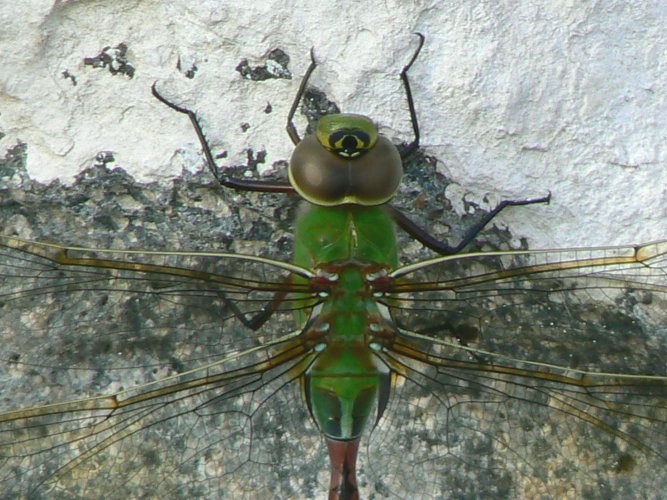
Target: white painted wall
{"x":515,"y":98}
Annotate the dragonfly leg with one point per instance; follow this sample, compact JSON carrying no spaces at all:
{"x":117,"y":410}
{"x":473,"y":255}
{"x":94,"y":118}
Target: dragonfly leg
{"x":428,"y":240}
{"x":409,"y":148}
{"x":257,"y":320}
{"x":291,"y":128}
{"x":237,"y":184}
{"x":412,"y":146}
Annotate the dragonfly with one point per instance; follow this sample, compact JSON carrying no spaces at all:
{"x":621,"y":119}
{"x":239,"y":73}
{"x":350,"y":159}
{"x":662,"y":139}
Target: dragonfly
{"x":208,"y":374}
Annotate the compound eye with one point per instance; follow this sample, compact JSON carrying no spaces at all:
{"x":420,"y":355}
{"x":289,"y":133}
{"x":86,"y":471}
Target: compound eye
{"x":349,"y":143}
{"x":347,"y":135}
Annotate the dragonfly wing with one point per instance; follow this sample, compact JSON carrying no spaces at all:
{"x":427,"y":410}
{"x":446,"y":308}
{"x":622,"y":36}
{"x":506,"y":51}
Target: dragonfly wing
{"x":500,"y":392}
{"x":191,"y":396}
{"x":591,"y":309}
{"x":468,"y":429}
{"x":122,"y":301}
{"x":221,"y":442}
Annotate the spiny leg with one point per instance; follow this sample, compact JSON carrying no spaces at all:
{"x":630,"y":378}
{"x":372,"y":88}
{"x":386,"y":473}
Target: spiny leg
{"x":428,"y":240}
{"x":291,"y":128}
{"x":264,"y":186}
{"x":257,"y":320}
{"x":412,"y":146}
{"x":416,"y":231}
{"x":284,"y":187}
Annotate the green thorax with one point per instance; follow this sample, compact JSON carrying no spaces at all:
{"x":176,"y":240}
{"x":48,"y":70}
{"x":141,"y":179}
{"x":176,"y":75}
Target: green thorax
{"x":345,"y":232}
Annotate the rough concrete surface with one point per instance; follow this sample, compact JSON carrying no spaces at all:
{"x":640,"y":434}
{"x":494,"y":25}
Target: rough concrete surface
{"x":514,"y":100}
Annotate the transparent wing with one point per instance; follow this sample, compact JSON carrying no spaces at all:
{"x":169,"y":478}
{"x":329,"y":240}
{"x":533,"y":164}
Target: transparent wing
{"x":541,"y":373}
{"x":488,"y":421}
{"x":140,"y":297}
{"x":184,"y":382}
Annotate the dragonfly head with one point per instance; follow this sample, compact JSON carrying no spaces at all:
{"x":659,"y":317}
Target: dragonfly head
{"x":346,"y":161}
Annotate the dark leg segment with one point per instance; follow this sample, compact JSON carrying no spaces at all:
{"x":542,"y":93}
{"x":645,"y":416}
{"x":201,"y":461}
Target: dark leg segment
{"x":256,"y":321}
{"x":428,"y":240}
{"x":291,"y":129}
{"x":238,"y":184}
{"x":411,"y":147}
